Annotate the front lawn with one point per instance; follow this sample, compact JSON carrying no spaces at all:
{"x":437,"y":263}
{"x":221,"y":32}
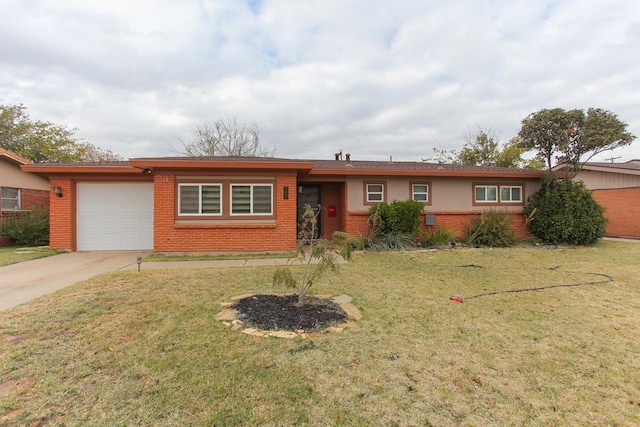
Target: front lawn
{"x":14,"y":254}
{"x":144,"y":348}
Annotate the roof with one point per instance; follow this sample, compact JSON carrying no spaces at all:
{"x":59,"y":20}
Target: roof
{"x":313,"y":167}
{"x":632,"y":167}
{"x":13,"y":157}
{"x":365,"y":167}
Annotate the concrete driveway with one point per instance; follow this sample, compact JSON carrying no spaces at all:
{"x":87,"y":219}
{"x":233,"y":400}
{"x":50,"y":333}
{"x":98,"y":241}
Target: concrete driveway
{"x":25,"y":281}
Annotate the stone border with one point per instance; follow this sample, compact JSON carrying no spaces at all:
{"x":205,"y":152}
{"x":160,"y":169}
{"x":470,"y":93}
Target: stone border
{"x":228,"y":318}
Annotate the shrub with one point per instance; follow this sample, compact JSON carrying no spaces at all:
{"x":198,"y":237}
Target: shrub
{"x":438,"y":236}
{"x":399,"y":217}
{"x":389,"y":241}
{"x":492,"y":228}
{"x":565,"y":212}
{"x":30,"y":229}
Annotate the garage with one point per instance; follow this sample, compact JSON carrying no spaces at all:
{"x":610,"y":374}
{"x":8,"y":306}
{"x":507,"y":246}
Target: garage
{"x":114,"y":216}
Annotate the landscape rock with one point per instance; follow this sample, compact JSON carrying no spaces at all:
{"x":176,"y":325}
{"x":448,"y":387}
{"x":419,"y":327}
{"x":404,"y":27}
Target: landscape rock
{"x":351,"y":310}
{"x":227,"y":314}
{"x":342,"y":299}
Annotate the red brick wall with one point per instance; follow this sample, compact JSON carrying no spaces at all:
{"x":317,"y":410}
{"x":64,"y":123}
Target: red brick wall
{"x":34,"y":199}
{"x":172,"y":237}
{"x":456,"y":221}
{"x":61,"y":216}
{"x":622,"y":209}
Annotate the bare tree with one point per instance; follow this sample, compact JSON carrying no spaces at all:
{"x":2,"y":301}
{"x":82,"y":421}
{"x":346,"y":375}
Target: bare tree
{"x":226,"y":138}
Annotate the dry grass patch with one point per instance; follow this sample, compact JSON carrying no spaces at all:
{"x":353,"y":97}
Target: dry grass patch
{"x":144,"y":348}
{"x":14,"y":254}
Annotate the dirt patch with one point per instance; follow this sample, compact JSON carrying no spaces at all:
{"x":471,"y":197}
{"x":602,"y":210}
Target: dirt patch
{"x":6,"y":387}
{"x":273,"y":312}
{"x":15,"y":339}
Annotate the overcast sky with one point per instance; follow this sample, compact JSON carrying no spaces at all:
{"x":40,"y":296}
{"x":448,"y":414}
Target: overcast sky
{"x":373,"y":78}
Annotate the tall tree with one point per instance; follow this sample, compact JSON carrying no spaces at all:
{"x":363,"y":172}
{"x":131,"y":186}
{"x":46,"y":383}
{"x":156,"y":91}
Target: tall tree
{"x":40,"y":141}
{"x":482,"y":148}
{"x":226,"y":138}
{"x":573,"y":136}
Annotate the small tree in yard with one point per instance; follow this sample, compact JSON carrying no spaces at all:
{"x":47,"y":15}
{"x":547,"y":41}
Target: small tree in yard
{"x":565,"y":212}
{"x":311,"y":247}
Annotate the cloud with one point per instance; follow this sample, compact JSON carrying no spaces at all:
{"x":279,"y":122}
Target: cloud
{"x":373,"y":78}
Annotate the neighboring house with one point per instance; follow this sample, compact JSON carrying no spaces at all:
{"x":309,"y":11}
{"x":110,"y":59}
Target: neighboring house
{"x":19,"y":191}
{"x":238,"y":204}
{"x":616,"y":186}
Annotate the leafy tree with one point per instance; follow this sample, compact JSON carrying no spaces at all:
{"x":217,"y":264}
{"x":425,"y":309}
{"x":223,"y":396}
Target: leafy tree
{"x":226,"y":138}
{"x":40,"y":141}
{"x":573,"y":136}
{"x":565,"y":212}
{"x":482,"y":149}
{"x":312,"y":247}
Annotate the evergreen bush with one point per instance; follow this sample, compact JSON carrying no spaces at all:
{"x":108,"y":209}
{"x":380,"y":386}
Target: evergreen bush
{"x":565,"y":212}
{"x":399,"y":217}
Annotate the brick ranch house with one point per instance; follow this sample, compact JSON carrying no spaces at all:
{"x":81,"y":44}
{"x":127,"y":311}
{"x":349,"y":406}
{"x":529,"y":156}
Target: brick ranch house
{"x":240,"y":204}
{"x":19,"y":191}
{"x":616,"y":186}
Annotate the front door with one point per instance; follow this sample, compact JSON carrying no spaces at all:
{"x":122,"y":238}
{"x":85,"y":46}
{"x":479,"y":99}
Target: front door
{"x":310,"y":195}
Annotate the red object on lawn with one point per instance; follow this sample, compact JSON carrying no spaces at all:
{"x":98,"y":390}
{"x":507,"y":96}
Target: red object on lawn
{"x":457,"y":299}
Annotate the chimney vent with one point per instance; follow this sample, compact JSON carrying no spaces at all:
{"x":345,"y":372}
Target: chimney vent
{"x":339,"y":155}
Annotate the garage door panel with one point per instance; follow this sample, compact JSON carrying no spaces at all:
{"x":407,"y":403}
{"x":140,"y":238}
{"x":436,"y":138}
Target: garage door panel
{"x":115,"y":216}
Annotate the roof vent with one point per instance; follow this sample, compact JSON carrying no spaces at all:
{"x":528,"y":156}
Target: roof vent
{"x":338,"y":155}
{"x":348,"y":156}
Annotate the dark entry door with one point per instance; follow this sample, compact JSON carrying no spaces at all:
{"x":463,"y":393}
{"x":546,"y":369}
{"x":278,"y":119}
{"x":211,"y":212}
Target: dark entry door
{"x":309,"y":195}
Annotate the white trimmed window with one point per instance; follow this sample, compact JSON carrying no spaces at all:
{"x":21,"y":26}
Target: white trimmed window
{"x":199,"y":199}
{"x":375,"y":193}
{"x":10,"y":199}
{"x":420,"y":192}
{"x":486,"y":194}
{"x":251,"y":199}
{"x":511,"y":194}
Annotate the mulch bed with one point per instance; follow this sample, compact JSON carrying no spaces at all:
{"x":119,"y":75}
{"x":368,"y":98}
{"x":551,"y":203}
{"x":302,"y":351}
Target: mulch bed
{"x":273,"y":312}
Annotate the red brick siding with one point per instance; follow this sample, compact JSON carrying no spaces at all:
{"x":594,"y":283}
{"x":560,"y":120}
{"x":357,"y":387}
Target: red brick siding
{"x":34,"y":199}
{"x":456,"y":221}
{"x":172,"y":237}
{"x":61,"y":217}
{"x":622,"y":209}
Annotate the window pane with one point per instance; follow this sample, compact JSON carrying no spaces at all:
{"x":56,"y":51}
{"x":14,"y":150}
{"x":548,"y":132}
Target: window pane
{"x":261,"y":199}
{"x":374,"y":188}
{"x":419,"y":188}
{"x":10,"y":193}
{"x":492,"y":194}
{"x":420,"y":197}
{"x":505,"y":194}
{"x":188,"y":199}
{"x":516,"y":194}
{"x":210,"y":199}
{"x":241,"y":199}
{"x":480,"y":194}
{"x":374,"y":197}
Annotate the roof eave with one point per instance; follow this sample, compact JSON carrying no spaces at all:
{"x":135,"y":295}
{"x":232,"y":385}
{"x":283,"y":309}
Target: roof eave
{"x":50,"y":169}
{"x":218,"y":164}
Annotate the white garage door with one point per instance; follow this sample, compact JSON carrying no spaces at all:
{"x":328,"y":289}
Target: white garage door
{"x":115,"y":216}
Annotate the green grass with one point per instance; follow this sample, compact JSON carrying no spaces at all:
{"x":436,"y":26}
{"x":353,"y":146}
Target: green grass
{"x":220,"y":257}
{"x":132,"y":348}
{"x":14,"y":254}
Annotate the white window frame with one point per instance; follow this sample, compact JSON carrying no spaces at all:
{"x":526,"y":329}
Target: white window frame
{"x":475,"y":194}
{"x":370,"y":193}
{"x":15,"y":201}
{"x":414,"y":192}
{"x":511,"y":187}
{"x":251,"y":199}
{"x":199,"y":185}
